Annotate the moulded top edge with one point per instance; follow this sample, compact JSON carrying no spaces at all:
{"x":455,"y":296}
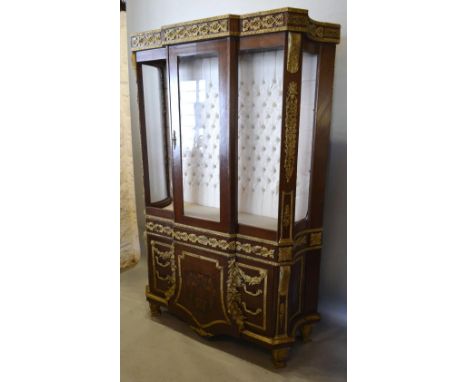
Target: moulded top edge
{"x":281,"y":19}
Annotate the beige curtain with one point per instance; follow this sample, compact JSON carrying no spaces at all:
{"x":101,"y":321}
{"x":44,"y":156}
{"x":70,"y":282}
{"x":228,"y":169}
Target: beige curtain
{"x":129,"y":245}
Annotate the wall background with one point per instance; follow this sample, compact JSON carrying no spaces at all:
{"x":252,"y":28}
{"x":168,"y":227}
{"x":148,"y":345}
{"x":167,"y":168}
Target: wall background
{"x":145,"y":15}
{"x":129,"y":243}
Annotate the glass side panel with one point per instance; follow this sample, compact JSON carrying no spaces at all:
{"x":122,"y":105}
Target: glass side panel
{"x":259,"y":140}
{"x":200,"y":130}
{"x":153,"y":91}
{"x":306,"y":136}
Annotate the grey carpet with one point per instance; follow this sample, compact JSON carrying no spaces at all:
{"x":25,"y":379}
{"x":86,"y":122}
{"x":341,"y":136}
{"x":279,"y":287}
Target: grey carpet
{"x":167,"y":350}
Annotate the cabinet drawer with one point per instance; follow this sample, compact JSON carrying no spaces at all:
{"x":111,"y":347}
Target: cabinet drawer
{"x":254,"y":295}
{"x":160,"y":265}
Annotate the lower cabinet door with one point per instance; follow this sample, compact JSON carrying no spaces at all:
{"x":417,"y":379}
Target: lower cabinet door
{"x":201,"y":290}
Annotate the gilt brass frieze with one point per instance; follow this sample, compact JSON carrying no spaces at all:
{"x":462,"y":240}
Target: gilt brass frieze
{"x":284,"y":19}
{"x":263,"y":22}
{"x":195,"y":31}
{"x":226,"y":245}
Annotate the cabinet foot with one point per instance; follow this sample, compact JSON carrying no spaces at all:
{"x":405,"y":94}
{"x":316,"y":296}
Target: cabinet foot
{"x":306,"y":329}
{"x":155,"y":309}
{"x":279,"y":357}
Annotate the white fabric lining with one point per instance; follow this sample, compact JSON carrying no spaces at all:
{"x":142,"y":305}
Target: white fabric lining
{"x":306,"y":129}
{"x":259,"y":132}
{"x":199,"y":110}
{"x":153,"y":98}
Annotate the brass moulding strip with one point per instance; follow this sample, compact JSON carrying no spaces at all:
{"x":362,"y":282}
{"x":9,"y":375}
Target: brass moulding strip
{"x":275,"y":20}
{"x":204,"y":230}
{"x":152,"y":217}
{"x":154,"y":297}
{"x":276,"y":10}
{"x":201,"y":21}
{"x":280,"y":340}
{"x":201,"y":332}
{"x":311,"y":318}
{"x":257,"y":259}
{"x":256,"y":239}
{"x":229,"y":255}
{"x":200,"y":248}
{"x":156,"y":235}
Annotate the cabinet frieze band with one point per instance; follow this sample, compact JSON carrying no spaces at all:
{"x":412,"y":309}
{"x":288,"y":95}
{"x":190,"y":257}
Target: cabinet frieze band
{"x":284,"y":19}
{"x":233,"y":245}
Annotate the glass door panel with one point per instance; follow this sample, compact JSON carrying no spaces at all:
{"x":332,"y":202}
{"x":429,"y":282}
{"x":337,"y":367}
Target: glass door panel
{"x":306,"y":128}
{"x":155,"y":129}
{"x":200,"y":133}
{"x":259,"y":140}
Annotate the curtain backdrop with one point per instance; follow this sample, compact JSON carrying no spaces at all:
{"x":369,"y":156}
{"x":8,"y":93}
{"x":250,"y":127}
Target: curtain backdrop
{"x":129,"y":245}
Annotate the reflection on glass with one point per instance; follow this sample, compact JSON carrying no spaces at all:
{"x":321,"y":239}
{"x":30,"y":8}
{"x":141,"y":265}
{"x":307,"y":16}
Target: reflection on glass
{"x":200,"y":129}
{"x":259,"y":141}
{"x":153,"y":91}
{"x":306,"y":128}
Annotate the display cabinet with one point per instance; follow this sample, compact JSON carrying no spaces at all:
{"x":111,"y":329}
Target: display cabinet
{"x":235,"y":119}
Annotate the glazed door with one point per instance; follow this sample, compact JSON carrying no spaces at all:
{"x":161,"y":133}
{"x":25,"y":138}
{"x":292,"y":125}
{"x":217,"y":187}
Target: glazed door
{"x":154,"y":123}
{"x":200,"y":137}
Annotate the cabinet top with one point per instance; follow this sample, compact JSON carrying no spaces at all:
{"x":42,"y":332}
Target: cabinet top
{"x":275,"y":20}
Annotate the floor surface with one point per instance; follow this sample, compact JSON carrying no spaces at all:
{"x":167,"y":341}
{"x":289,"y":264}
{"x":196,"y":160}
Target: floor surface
{"x":166,"y":350}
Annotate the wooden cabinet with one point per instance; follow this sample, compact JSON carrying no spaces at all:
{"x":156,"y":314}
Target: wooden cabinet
{"x":235,"y":119}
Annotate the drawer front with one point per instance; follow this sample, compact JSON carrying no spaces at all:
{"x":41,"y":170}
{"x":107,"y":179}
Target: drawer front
{"x":254,"y":295}
{"x":161,"y":267}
